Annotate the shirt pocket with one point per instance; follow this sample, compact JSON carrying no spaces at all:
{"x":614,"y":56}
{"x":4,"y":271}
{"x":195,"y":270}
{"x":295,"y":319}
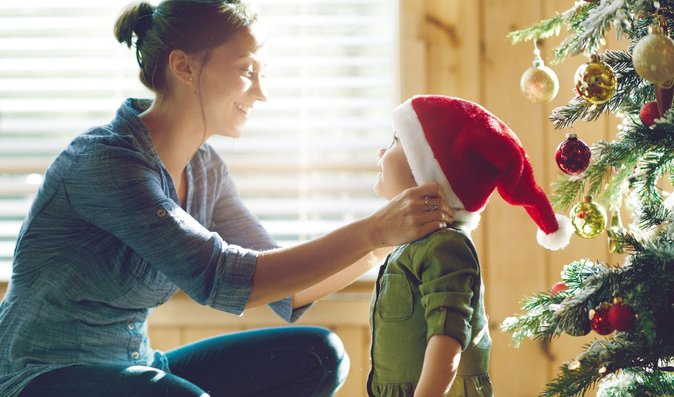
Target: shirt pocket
{"x":395,"y":298}
{"x":153,"y":287}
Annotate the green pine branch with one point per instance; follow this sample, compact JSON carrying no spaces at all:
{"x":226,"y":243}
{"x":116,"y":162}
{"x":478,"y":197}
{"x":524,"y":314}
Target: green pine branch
{"x":631,"y":89}
{"x":589,"y":31}
{"x":544,"y":29}
{"x":639,"y":383}
{"x":646,"y":284}
{"x":602,"y":359}
{"x":640,"y":155}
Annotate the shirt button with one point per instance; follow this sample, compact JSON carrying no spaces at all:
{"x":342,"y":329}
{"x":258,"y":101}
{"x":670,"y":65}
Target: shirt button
{"x":161,"y":212}
{"x":135,"y":355}
{"x":131,"y":326}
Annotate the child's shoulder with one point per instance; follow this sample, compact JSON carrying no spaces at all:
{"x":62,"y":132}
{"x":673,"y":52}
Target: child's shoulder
{"x":448,"y":240}
{"x":442,"y":252}
{"x":447,"y":236}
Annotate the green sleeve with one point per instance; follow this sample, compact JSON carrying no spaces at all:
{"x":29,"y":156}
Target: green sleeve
{"x":448,"y":271}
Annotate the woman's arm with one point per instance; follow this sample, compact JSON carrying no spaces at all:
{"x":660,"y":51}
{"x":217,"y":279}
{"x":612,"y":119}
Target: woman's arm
{"x":340,"y":279}
{"x":285,"y":271}
{"x":441,"y":361}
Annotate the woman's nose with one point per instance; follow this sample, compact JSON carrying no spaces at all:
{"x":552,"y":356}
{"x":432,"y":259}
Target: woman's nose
{"x":381,"y":152}
{"x":259,"y":90}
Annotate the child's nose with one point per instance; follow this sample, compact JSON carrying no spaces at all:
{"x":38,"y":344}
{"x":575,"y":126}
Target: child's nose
{"x":381,"y":152}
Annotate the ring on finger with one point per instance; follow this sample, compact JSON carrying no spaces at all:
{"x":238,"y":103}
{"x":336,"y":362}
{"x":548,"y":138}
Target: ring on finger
{"x":433,"y":208}
{"x":427,"y":200}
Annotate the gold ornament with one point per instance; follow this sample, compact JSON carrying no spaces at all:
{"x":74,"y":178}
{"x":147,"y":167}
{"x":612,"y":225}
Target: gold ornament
{"x":539,"y":83}
{"x":588,"y":218}
{"x":615,"y":243}
{"x":595,"y":81}
{"x":653,"y":57}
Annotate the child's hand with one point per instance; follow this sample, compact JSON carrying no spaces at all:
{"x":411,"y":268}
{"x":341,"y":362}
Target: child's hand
{"x":410,"y":215}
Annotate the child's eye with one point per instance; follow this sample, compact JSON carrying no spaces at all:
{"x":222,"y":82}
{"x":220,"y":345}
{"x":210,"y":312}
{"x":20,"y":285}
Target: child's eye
{"x":248,"y":72}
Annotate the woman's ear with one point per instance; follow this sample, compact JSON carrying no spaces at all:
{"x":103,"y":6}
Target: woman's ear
{"x":182,"y":66}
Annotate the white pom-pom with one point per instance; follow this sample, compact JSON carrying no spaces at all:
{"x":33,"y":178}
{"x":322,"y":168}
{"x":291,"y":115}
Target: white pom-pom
{"x":559,"y":238}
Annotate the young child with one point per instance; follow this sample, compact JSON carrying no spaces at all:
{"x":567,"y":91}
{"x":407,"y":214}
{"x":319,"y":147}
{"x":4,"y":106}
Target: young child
{"x":430,"y":334}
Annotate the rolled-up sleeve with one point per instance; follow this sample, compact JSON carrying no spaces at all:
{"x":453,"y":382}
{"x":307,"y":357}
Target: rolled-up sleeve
{"x":234,"y":222}
{"x":448,"y":271}
{"x":123,"y":192}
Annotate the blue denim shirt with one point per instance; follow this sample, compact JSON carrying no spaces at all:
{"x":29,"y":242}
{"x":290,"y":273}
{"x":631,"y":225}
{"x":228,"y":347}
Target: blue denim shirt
{"x":106,"y":240}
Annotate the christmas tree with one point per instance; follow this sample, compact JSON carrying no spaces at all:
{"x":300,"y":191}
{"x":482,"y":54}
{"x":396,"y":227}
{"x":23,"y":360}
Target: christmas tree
{"x":629,"y":306}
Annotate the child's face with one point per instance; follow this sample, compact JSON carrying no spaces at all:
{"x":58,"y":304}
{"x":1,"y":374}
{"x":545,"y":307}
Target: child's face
{"x":394,"y":171}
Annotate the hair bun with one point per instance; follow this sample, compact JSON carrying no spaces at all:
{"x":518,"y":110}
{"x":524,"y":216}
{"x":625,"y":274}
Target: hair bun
{"x":134,"y":19}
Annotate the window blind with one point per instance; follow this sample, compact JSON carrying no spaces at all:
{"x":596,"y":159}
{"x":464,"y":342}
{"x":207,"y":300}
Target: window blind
{"x":307,"y":160}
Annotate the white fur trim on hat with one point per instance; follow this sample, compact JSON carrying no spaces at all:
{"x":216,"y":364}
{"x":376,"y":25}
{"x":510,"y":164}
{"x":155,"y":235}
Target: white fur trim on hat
{"x":423,"y":164}
{"x":425,"y":168}
{"x":559,"y":238}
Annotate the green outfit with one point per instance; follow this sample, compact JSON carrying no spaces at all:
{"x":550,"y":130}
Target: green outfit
{"x":432,"y":286}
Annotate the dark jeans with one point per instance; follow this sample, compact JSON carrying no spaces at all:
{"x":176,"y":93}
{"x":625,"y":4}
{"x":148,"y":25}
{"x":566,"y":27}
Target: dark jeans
{"x":279,"y":362}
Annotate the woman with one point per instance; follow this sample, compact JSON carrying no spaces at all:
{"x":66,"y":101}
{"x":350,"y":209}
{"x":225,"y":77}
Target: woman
{"x":132,"y":211}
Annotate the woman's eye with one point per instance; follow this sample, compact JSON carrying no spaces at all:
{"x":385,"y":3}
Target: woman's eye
{"x":248,"y":72}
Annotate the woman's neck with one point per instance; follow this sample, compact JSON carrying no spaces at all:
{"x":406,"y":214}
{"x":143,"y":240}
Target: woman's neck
{"x":176,"y":133}
{"x":176,"y":137}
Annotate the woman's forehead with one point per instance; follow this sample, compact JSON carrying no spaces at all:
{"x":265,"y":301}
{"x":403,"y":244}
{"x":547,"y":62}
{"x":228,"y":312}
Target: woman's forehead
{"x":244,"y":44}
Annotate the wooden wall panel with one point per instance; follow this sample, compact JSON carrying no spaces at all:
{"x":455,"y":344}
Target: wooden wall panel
{"x":515,"y":264}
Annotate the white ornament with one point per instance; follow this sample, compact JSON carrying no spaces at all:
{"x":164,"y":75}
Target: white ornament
{"x":653,"y":57}
{"x":539,"y":83}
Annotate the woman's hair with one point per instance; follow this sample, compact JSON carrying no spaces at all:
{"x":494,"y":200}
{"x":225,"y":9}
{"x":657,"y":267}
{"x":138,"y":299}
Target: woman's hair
{"x":192,"y":26}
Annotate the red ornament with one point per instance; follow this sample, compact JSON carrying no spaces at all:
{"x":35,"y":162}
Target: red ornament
{"x":621,"y":317}
{"x":557,"y":287}
{"x":573,"y":155}
{"x":599,"y":322}
{"x":649,"y":112}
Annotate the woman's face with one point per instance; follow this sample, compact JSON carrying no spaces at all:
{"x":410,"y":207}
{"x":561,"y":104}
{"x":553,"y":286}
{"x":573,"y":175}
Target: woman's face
{"x":394,"y":171}
{"x":230,"y":82}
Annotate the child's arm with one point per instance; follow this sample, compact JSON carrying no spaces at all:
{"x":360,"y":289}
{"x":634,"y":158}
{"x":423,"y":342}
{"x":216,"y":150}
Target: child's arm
{"x":441,"y":361}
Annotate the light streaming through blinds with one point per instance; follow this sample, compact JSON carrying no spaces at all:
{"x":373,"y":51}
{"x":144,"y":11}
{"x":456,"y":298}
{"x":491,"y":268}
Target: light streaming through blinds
{"x":306,"y":163}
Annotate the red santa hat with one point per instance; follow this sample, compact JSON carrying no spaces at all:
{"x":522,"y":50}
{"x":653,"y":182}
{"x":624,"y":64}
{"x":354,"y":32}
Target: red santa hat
{"x":470,"y":152}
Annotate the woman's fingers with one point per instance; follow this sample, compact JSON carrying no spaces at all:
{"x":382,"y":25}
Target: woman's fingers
{"x":413,"y":214}
{"x":428,"y":199}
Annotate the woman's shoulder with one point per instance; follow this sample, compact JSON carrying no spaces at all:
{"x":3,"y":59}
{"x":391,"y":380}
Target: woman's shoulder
{"x":124,"y":132}
{"x":102,"y":143}
{"x":209,"y":156}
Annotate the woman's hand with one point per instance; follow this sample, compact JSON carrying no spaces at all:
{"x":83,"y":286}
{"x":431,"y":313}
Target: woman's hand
{"x":410,"y":215}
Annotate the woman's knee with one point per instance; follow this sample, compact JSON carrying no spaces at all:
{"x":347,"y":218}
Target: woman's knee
{"x":110,"y":381}
{"x":329,"y":350}
{"x":155,"y":382}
